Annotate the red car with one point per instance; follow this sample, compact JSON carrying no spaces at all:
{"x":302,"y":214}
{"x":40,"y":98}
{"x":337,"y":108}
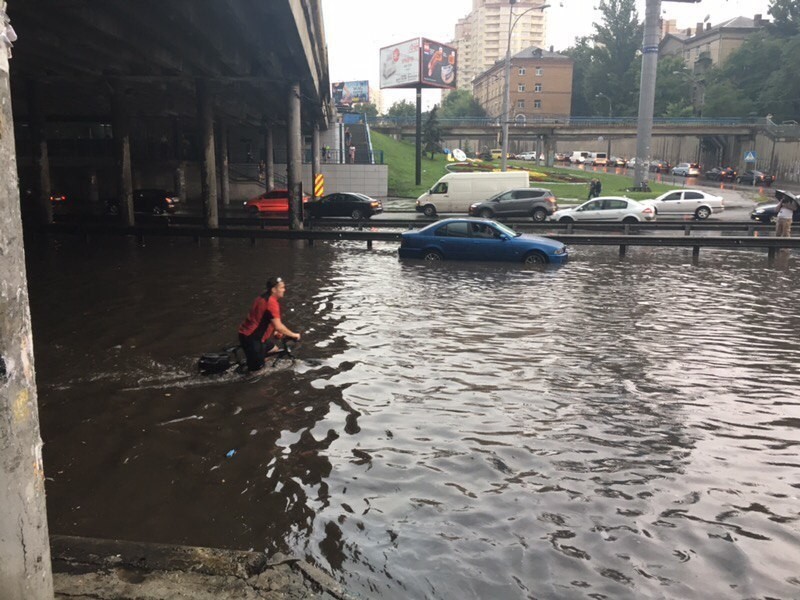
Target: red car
{"x":275,"y":202}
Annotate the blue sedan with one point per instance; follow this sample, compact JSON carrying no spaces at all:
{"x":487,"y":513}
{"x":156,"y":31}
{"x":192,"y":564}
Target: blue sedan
{"x":480,"y":239}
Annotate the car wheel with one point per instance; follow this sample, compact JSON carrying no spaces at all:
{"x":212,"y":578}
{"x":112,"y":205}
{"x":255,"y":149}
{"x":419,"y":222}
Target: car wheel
{"x":356,"y":215}
{"x":252,"y":211}
{"x":702,"y":213}
{"x":432,"y":255}
{"x":535,"y":258}
{"x":158,"y":211}
{"x":566,"y":220}
{"x":539,"y":215}
{"x":629,"y":220}
{"x":485,"y":213}
{"x":429,"y":210}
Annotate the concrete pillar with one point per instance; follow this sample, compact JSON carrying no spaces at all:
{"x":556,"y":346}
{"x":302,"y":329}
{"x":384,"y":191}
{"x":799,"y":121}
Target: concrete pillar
{"x":294,"y":158}
{"x":224,"y":163}
{"x":179,"y":178}
{"x":269,"y":158}
{"x":208,"y":165}
{"x":121,"y":125}
{"x":549,"y":145}
{"x":41,"y":158}
{"x":647,"y":89}
{"x":316,"y":168}
{"x":25,"y":571}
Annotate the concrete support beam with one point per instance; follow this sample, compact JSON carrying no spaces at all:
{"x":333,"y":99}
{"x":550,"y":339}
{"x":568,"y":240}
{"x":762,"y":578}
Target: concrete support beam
{"x":208,"y":164}
{"x":121,"y":126}
{"x":41,"y":159}
{"x":180,"y":182}
{"x":269,"y":158}
{"x":316,"y":168}
{"x":294,"y":159}
{"x":224,"y":162}
{"x":25,"y":571}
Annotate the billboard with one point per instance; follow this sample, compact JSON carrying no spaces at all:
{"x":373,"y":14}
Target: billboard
{"x":400,"y":65}
{"x":438,"y":65}
{"x":422,"y":63}
{"x":350,"y":92}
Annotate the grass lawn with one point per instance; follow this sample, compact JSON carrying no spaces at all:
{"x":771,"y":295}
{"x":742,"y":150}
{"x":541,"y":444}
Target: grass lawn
{"x":400,"y":157}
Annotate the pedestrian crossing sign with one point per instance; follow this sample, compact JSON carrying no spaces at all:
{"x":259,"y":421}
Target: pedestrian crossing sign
{"x":750,"y":156}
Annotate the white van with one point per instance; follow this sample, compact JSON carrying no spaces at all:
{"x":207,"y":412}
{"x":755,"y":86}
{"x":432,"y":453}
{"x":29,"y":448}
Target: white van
{"x":456,"y":191}
{"x":579,"y":156}
{"x":598,"y":159}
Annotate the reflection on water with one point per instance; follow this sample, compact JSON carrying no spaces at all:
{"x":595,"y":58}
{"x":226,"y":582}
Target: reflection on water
{"x":603,"y":430}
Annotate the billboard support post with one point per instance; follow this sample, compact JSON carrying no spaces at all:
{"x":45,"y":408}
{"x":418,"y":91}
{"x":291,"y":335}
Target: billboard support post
{"x":419,"y":137}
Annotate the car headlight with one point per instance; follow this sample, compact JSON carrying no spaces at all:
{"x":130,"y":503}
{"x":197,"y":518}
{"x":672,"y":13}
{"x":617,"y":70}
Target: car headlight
{"x":562,"y":250}
{"x":758,"y":211}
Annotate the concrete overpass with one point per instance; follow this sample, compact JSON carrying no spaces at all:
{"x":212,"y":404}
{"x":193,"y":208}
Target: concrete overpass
{"x":150,"y":85}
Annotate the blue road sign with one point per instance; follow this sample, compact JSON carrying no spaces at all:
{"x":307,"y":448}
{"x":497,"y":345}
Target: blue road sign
{"x":750,"y":156}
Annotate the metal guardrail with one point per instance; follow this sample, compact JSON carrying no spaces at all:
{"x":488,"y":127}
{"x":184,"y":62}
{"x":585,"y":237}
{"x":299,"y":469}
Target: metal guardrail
{"x":575,"y":122}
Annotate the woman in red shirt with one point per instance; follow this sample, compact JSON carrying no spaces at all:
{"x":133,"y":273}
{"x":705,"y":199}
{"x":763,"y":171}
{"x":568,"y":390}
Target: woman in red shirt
{"x":262,"y":322}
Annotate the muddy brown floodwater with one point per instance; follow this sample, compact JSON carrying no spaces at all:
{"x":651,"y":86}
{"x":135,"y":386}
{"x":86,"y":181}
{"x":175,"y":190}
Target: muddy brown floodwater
{"x":603,"y":430}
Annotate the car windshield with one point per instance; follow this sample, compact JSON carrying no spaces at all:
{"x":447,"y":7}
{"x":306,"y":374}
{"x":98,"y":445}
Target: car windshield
{"x":507,"y":230}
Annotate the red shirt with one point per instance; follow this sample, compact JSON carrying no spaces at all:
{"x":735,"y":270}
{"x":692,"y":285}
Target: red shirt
{"x":259,"y":320}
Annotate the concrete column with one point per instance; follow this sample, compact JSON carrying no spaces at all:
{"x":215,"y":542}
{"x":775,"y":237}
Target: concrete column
{"x":121,"y":125}
{"x":25,"y":571}
{"x":208,"y":166}
{"x":316,"y":168}
{"x":179,"y":178}
{"x":269,"y":158}
{"x":41,"y":158}
{"x":294,"y":158}
{"x":224,"y":163}
{"x":647,"y":89}
{"x":549,"y":145}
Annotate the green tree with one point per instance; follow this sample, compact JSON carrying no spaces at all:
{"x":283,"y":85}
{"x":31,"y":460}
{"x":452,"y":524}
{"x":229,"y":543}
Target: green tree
{"x":785,"y":17}
{"x":581,"y":55}
{"x":404,"y":108}
{"x":676,"y":88}
{"x":431,"y":133}
{"x":461,"y":103}
{"x":368,"y":108}
{"x":724,"y":99}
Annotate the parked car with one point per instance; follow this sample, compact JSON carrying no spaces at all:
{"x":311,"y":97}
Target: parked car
{"x":697,"y":203}
{"x":527,"y":156}
{"x":479,"y":239}
{"x":608,"y":208}
{"x":152,"y":201}
{"x":345,"y":204}
{"x":687,"y":170}
{"x":660,"y":166}
{"x":768,"y":213}
{"x":274,"y":202}
{"x":721,"y":174}
{"x":760,"y":178}
{"x":537,"y":203}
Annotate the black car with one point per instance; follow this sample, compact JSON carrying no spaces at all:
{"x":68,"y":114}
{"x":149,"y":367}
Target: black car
{"x":721,"y":174}
{"x":537,"y":203}
{"x":755,"y":178}
{"x":768,"y":213}
{"x":344,"y":204}
{"x":660,"y":166}
{"x":151,"y":201}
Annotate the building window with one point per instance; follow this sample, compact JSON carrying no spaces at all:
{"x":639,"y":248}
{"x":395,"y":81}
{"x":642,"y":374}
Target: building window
{"x":520,"y":103}
{"x":537,"y":104}
{"x":522,"y":70}
{"x":539,"y":70}
{"x":537,"y":87}
{"x":521,"y":87}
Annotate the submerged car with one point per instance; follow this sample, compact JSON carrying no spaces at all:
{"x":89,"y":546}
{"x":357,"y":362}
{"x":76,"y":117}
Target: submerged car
{"x":273,"y":202}
{"x":345,"y":204}
{"x":721,"y":174}
{"x":660,"y":166}
{"x":479,"y":239}
{"x":755,"y":178}
{"x":152,"y":201}
{"x":536,"y":203}
{"x":609,"y":208}
{"x":697,"y":203}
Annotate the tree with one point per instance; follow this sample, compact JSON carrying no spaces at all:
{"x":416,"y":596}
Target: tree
{"x":723,"y":99}
{"x":431,"y":134}
{"x":676,"y":88}
{"x":581,"y":55}
{"x":786,"y":17}
{"x":404,"y":108}
{"x":461,"y":103}
{"x":368,"y":108}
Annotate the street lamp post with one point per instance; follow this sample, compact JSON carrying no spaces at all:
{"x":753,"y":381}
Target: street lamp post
{"x":507,"y":87}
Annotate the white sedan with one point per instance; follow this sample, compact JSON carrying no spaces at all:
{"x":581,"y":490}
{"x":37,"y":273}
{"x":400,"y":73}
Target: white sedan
{"x":696,"y":203}
{"x":606,"y":208}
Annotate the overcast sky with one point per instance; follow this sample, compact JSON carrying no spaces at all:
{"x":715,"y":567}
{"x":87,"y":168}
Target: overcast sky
{"x":357,"y":29}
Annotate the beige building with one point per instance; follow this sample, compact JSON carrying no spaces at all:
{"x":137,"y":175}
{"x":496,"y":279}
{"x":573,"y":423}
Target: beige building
{"x":482,"y":36}
{"x":540,"y":84}
{"x":706,"y":45}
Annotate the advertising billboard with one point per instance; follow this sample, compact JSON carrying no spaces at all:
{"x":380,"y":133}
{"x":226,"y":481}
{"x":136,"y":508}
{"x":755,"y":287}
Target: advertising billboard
{"x":400,"y":65}
{"x":439,"y":66}
{"x":350,"y":92}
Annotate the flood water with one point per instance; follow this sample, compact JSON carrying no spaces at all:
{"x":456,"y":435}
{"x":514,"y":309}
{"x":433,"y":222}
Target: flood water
{"x":603,"y":430}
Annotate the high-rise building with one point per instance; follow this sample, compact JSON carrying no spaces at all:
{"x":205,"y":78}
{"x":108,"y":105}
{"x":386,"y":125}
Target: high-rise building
{"x":482,"y":36}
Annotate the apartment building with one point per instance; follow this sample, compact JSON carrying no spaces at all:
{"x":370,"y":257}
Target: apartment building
{"x":482,"y":36}
{"x":540,"y":85}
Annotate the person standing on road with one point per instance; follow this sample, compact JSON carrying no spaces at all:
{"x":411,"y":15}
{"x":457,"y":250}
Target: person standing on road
{"x":264,"y":320}
{"x":786,"y":207}
{"x":592,"y":187}
{"x":598,"y":187}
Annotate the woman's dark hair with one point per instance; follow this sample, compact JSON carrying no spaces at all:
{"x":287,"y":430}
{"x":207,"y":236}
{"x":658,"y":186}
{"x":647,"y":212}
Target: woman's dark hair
{"x":271,"y":283}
